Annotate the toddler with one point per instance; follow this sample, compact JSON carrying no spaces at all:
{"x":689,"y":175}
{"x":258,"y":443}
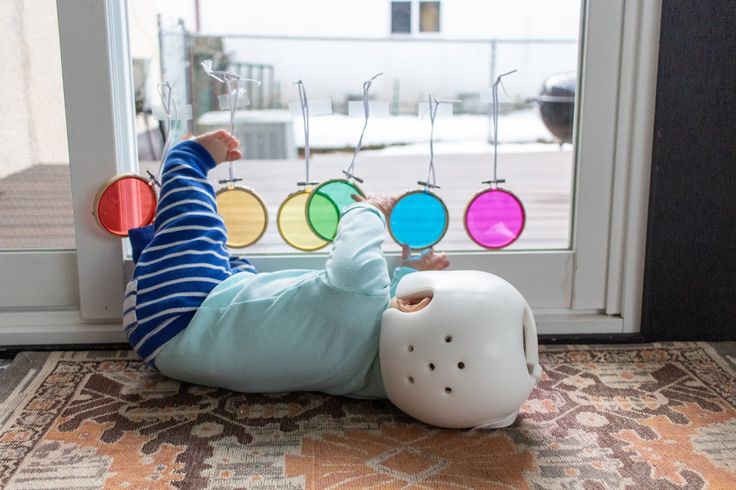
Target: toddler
{"x":201,"y":316}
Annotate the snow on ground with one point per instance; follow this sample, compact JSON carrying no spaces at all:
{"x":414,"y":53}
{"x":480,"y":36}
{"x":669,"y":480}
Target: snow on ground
{"x":341,"y":131}
{"x":338,"y":131}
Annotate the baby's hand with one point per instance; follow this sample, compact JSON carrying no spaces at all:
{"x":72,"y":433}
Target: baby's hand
{"x":384,"y":204}
{"x":427,"y":261}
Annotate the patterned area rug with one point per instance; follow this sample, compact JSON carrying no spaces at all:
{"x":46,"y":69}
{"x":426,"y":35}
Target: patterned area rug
{"x":646,"y":416}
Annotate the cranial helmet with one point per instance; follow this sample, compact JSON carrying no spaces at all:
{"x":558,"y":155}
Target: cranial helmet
{"x":468,"y":359}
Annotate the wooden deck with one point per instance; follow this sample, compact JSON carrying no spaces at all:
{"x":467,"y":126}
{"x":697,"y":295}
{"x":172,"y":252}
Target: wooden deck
{"x":36,"y":209}
{"x":35,"y":204}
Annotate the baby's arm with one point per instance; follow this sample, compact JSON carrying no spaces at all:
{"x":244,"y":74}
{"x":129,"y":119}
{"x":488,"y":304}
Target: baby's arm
{"x":356,"y":262}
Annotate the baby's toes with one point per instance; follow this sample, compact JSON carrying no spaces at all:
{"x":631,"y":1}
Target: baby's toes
{"x":439,"y":262}
{"x":232,"y":143}
{"x":222,"y":135}
{"x":234,"y":155}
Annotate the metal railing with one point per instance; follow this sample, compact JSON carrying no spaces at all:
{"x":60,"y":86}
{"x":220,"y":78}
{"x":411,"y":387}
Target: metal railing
{"x":263,"y":96}
{"x":493,"y":43}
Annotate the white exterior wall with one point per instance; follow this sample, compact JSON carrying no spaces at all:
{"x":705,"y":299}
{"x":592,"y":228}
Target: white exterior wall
{"x":510,"y":19}
{"x":474,"y":19}
{"x":337,"y":69}
{"x":354,"y":18}
{"x":33,"y":128}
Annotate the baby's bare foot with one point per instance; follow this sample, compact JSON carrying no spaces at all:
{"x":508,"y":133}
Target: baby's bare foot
{"x":221,"y":145}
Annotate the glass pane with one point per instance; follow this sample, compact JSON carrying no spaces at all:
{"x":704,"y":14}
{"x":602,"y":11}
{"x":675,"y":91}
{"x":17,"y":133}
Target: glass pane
{"x":35,"y":189}
{"x":334,"y":52}
{"x":429,"y":17}
{"x":400,"y":17}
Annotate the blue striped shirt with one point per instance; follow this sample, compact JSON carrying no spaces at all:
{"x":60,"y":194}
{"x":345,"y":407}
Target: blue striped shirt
{"x":185,"y":259}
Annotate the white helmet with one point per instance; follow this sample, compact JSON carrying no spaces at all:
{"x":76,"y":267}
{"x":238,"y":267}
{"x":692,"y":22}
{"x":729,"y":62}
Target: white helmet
{"x":468,"y":359}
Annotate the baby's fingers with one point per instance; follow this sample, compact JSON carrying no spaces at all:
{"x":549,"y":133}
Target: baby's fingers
{"x":437,"y":261}
{"x":357,"y":197}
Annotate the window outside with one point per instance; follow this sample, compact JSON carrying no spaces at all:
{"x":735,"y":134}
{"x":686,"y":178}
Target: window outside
{"x":35,"y":189}
{"x":429,"y":16}
{"x":323,"y":43}
{"x":400,"y":17}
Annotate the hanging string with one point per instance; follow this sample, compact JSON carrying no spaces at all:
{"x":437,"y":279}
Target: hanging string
{"x":171,"y":111}
{"x":434,"y":105}
{"x":232,"y":83}
{"x":366,"y":106}
{"x":304,"y":105}
{"x":494,"y":119}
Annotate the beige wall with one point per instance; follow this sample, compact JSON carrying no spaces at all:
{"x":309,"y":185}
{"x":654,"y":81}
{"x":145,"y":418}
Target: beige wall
{"x":32,"y":120}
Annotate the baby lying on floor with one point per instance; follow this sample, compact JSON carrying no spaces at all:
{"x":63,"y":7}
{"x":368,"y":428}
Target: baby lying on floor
{"x":199,"y":315}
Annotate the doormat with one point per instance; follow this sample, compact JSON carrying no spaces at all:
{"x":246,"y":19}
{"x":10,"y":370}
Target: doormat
{"x":619,"y":416}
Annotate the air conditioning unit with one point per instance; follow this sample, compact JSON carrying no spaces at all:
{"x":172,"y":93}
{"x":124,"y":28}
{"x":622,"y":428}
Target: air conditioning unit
{"x":263,"y":134}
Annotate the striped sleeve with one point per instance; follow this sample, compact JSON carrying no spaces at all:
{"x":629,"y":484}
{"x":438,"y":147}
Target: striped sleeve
{"x":185,"y":259}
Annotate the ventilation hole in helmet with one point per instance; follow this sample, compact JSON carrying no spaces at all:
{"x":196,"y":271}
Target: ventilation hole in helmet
{"x":448,"y":390}
{"x":411,"y":348}
{"x":461,"y":365}
{"x":431,"y":366}
{"x":411,"y":380}
{"x":448,"y":339}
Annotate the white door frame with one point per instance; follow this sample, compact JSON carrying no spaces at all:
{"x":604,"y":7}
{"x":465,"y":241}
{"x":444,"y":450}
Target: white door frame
{"x":96,"y":68}
{"x":632,"y":166}
{"x":593,"y":288}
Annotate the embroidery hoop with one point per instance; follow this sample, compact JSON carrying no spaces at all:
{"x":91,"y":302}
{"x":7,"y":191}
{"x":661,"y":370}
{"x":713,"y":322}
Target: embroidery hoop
{"x":241,"y":208}
{"x":338,"y":191}
{"x":129,"y":196}
{"x":488,"y":211}
{"x":242,"y":232}
{"x":396,"y":221}
{"x":291,"y":218}
{"x":400,"y":221}
{"x":326,"y":203}
{"x":492,"y":194}
{"x":117,"y":194}
{"x":292,"y":223}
